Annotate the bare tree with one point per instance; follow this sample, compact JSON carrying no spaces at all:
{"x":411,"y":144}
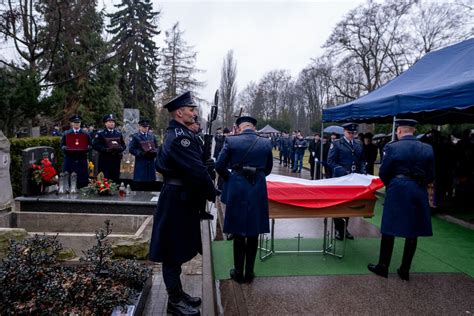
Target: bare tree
{"x":21,"y":25}
{"x":365,"y":38}
{"x":273,"y":85}
{"x":438,"y":24}
{"x":228,"y":88}
{"x":252,"y":101}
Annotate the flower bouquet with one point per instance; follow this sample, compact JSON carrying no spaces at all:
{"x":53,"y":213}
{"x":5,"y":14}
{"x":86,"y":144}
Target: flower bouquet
{"x":100,"y":186}
{"x":44,"y":174}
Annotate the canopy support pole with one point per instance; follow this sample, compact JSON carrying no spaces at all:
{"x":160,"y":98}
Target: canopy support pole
{"x":393,"y":128}
{"x":321,"y":151}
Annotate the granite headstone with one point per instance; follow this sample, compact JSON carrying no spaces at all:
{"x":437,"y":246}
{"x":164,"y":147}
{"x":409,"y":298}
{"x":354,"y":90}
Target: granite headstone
{"x":30,"y":156}
{"x":35,"y":131}
{"x":6,"y":194}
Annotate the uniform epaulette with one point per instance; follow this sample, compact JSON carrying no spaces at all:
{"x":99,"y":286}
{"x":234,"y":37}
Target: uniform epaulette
{"x":179,"y":132}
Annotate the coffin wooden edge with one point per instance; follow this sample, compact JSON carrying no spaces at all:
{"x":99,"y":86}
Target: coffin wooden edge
{"x":354,"y":208}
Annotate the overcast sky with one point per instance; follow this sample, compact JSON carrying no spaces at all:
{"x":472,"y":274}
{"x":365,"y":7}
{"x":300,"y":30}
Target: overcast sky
{"x":264,"y":35}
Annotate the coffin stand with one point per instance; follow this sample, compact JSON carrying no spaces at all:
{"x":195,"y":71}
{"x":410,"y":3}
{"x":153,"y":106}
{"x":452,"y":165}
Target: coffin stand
{"x":353,"y":208}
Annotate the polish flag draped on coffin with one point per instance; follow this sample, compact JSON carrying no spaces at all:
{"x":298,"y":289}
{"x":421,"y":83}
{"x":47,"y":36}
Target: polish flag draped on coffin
{"x":322,"y":193}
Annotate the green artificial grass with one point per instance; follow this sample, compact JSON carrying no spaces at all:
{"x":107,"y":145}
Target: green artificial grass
{"x":451,"y":249}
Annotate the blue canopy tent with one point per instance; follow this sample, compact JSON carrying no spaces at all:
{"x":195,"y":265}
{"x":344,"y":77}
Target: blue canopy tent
{"x":438,"y":89}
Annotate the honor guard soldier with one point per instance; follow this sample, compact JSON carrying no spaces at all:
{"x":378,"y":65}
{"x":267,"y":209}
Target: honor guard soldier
{"x":143,"y":146}
{"x":75,"y":144}
{"x":346,"y":155}
{"x":406,"y":170}
{"x":109,"y":143}
{"x":176,"y":234}
{"x":245,"y":193}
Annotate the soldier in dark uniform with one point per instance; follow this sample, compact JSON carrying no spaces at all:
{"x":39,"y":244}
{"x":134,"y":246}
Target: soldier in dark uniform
{"x":314,"y":148}
{"x":109,"y":143}
{"x":56,"y":130}
{"x":407,"y":167}
{"x":370,"y":153}
{"x":176,"y":235}
{"x":245,"y":193}
{"x":346,"y":155}
{"x":75,"y":152}
{"x":143,"y":146}
{"x":219,"y":139}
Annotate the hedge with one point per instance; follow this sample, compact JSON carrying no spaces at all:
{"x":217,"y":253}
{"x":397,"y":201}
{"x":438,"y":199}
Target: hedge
{"x":18,"y":144}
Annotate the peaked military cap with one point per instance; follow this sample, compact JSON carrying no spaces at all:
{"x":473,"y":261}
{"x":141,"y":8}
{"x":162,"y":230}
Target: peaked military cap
{"x":368,"y":135}
{"x":351,"y":127}
{"x":244,"y":119}
{"x":75,"y":119}
{"x":185,"y":99}
{"x":405,"y":122}
{"x":144,"y":122}
{"x":108,"y":117}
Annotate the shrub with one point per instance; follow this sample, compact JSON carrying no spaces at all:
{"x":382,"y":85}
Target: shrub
{"x":32,"y":281}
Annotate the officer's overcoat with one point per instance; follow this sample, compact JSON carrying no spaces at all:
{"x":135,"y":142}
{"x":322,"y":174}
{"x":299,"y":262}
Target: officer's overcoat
{"x":176,"y":235}
{"x":406,"y":210}
{"x":246,"y":204}
{"x":76,"y":161}
{"x":344,"y":159}
{"x":144,"y":170}
{"x":109,"y":159}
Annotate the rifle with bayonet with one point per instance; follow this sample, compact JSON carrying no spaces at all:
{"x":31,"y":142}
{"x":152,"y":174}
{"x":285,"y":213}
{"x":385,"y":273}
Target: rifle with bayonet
{"x":207,"y":155}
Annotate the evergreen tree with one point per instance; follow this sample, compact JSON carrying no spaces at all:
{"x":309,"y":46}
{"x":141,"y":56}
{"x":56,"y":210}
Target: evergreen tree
{"x":79,"y":67}
{"x":178,"y":66}
{"x":133,"y":27}
{"x":19,"y":94}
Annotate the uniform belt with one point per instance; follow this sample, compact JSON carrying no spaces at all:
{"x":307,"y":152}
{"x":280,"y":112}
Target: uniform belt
{"x":173,"y":181}
{"x":403,"y":176}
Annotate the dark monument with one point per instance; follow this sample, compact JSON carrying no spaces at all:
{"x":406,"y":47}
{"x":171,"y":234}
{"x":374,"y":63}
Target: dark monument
{"x":30,"y":156}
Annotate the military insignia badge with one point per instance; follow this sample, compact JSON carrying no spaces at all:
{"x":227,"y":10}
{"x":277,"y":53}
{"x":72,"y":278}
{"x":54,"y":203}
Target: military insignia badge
{"x":185,"y":142}
{"x":178,"y":131}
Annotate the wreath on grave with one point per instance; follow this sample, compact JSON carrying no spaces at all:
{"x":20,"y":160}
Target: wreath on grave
{"x":44,"y":173}
{"x":100,"y":186}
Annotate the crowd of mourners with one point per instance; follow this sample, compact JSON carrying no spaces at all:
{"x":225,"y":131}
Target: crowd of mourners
{"x":454,"y":171}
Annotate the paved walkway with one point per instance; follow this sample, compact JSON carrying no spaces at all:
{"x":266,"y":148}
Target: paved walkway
{"x":424,"y":294}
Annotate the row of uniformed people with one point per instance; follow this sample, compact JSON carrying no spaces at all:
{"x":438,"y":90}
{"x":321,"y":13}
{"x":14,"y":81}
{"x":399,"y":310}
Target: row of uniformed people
{"x":109,"y":143}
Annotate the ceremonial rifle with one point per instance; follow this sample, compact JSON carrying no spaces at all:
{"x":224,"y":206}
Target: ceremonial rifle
{"x":208,"y":138}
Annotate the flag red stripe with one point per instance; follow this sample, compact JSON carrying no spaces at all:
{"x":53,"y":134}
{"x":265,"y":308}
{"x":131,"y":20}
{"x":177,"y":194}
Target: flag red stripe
{"x":320,"y":196}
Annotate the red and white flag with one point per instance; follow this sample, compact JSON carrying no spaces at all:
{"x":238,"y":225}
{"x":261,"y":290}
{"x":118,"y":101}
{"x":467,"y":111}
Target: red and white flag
{"x":322,"y":193}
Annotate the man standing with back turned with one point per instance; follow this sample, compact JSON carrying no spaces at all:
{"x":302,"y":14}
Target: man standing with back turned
{"x":407,"y":167}
{"x":245,"y":193}
{"x":176,"y":235}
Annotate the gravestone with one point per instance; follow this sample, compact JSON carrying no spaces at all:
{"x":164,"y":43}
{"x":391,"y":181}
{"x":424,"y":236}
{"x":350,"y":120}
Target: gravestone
{"x":35,"y":131}
{"x":130,"y":126}
{"x":6,"y":194}
{"x":30,"y":156}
